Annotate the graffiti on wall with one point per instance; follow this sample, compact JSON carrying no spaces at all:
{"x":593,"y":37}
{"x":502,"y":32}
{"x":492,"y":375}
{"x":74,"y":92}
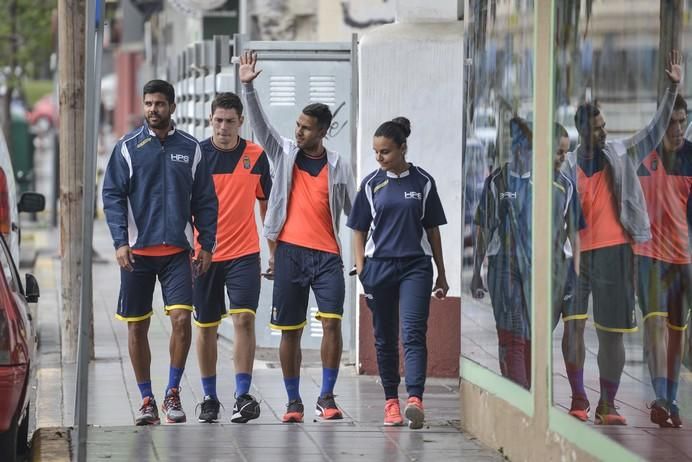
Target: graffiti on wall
{"x":362,"y":14}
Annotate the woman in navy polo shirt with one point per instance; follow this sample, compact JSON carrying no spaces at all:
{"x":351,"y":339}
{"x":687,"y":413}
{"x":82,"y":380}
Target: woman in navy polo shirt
{"x":395,"y":219}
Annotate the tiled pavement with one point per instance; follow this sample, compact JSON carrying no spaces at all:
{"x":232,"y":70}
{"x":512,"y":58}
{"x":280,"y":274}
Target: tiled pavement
{"x":113,"y":396}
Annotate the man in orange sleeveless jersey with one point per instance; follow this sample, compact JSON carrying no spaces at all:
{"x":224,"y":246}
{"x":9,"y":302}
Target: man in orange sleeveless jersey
{"x":312,"y":187}
{"x":241,"y":175}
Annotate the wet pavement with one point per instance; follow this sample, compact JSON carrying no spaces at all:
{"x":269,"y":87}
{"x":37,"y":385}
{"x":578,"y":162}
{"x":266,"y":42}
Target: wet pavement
{"x":114,"y":396}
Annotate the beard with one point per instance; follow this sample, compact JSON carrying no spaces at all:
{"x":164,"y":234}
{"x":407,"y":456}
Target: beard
{"x":161,"y":122}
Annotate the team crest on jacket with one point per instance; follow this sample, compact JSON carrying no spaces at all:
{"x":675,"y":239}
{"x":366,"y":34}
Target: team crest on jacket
{"x":246,"y":163}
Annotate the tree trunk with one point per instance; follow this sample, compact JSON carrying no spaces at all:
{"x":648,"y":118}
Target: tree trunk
{"x":71,"y":66}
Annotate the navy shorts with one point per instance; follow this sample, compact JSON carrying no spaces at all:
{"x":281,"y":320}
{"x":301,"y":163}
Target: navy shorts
{"x":664,"y":290}
{"x":608,"y":274}
{"x":240,"y":277}
{"x":137,"y":286}
{"x":296,"y":270}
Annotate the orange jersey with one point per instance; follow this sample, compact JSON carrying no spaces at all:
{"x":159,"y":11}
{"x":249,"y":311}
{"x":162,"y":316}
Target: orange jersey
{"x":667,"y":184}
{"x":308,"y":217}
{"x":603,"y":228}
{"x":241,"y":176}
{"x":161,"y":250}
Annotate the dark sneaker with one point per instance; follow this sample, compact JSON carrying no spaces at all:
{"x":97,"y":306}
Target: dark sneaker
{"x":659,"y":413}
{"x":245,"y":409}
{"x":294,"y":412}
{"x":327,"y":408}
{"x":148,"y":414}
{"x":675,"y":419}
{"x":580,"y":408}
{"x":210,"y":410}
{"x":172,"y":408}
{"x":606,"y":414}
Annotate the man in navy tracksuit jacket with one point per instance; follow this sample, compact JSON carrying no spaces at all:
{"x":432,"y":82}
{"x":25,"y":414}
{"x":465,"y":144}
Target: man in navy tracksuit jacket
{"x":156,"y":188}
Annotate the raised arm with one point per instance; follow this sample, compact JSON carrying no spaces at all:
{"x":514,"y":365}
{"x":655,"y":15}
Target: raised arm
{"x":645,"y":140}
{"x":267,"y":136}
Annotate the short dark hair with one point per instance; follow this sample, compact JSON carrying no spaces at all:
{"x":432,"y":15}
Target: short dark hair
{"x":320,"y":112}
{"x":583,"y":117}
{"x":227,"y":100}
{"x":160,"y":86}
{"x":559,"y":132}
{"x":520,"y":130}
{"x":397,"y":130}
{"x":680,"y":103}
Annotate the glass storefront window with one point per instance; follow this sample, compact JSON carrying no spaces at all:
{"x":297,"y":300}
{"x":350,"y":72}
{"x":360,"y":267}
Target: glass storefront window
{"x":497,"y":167}
{"x":622,"y":279}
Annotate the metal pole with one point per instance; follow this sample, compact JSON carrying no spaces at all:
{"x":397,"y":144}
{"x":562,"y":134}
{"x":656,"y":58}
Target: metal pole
{"x":243,"y":15}
{"x":94,"y":45}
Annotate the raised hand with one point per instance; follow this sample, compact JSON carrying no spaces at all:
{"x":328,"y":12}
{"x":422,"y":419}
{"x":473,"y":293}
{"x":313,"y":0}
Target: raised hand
{"x":674,"y":68}
{"x":246,"y":70}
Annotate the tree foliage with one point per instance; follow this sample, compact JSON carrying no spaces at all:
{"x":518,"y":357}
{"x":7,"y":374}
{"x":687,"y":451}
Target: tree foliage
{"x":26,"y":36}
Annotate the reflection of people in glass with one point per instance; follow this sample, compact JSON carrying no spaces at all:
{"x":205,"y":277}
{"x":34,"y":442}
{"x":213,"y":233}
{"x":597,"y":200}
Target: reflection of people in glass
{"x":664,"y":263}
{"x":567,"y":221}
{"x":613,"y":205}
{"x":396,"y":218}
{"x":503,"y":219}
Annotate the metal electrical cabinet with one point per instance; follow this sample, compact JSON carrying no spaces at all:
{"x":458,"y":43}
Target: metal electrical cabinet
{"x":294,"y":74}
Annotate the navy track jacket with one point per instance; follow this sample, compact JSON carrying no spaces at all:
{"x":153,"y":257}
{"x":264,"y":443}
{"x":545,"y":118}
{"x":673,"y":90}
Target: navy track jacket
{"x":154,"y":192}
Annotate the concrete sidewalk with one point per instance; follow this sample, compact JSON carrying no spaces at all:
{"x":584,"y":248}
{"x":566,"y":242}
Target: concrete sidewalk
{"x":114,"y":396}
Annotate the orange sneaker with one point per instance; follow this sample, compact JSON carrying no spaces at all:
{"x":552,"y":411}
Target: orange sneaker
{"x":414,"y":412}
{"x":659,"y":413}
{"x":327,"y":409}
{"x":392,"y":413}
{"x":580,"y":408}
{"x":606,"y":414}
{"x":294,"y":412}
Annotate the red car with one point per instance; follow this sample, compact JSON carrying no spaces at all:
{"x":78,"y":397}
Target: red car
{"x":17,"y":352}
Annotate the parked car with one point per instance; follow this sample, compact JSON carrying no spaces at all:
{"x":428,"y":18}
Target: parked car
{"x":18,"y":343}
{"x":44,"y":114}
{"x":9,"y":207}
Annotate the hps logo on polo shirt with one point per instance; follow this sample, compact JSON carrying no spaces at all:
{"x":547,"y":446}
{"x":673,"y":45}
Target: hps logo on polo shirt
{"x":413,"y":195}
{"x":180,"y":158}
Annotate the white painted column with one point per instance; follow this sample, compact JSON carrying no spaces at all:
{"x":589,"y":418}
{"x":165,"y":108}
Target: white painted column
{"x":415,"y":70}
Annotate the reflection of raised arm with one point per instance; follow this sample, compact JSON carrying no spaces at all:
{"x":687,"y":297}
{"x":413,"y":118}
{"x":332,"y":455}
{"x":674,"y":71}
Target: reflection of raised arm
{"x":645,"y":140}
{"x":267,"y":136}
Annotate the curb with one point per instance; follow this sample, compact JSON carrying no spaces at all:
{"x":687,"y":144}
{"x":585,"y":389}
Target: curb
{"x":51,"y":444}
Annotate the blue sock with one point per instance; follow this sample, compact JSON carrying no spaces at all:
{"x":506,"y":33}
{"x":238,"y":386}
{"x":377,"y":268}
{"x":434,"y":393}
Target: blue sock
{"x":174,"y":376}
{"x":209,"y":386}
{"x":660,"y":387}
{"x":292,"y":387}
{"x":328,"y":381}
{"x":242,"y":383}
{"x":145,"y":389}
{"x":672,"y":387}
